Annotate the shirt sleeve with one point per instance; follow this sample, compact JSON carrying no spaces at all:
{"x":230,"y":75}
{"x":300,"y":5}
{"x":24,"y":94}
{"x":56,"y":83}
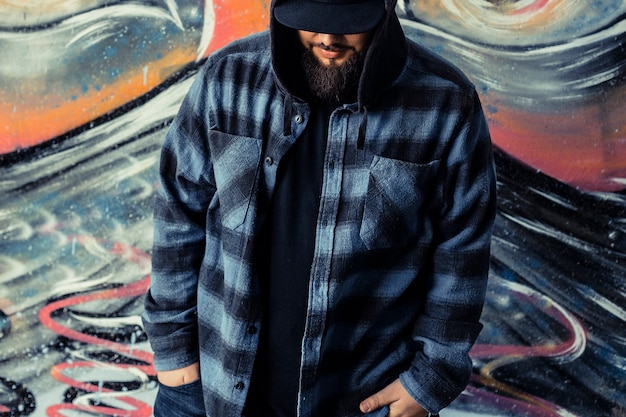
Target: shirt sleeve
{"x":187,"y":188}
{"x":449,"y":324}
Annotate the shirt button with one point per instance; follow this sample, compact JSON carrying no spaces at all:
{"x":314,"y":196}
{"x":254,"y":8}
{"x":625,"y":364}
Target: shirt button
{"x":299,"y":119}
{"x":269,"y":161}
{"x":252,"y":329}
{"x":239,"y":385}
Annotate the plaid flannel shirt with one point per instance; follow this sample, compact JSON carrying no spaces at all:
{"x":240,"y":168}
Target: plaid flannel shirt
{"x":402,"y":241}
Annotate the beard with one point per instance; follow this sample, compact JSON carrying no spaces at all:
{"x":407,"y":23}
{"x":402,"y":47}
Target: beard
{"x":333,"y":83}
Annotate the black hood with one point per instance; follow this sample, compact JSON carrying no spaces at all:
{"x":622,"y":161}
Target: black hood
{"x":383,"y":63}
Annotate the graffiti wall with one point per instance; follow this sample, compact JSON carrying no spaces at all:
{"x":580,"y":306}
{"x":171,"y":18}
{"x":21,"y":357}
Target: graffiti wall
{"x":88,"y":88}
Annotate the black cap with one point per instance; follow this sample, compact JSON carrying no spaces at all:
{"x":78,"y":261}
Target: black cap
{"x":338,"y":17}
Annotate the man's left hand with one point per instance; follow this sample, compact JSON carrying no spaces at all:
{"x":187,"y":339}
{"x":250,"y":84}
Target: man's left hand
{"x":400,"y":402}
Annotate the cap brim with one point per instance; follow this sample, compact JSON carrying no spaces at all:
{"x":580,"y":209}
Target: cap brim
{"x":332,"y":18}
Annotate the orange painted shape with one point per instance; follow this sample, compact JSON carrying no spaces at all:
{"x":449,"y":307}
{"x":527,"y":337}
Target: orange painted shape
{"x":35,"y":117}
{"x":32,"y":117}
{"x":235,"y":19}
{"x":584,"y":146}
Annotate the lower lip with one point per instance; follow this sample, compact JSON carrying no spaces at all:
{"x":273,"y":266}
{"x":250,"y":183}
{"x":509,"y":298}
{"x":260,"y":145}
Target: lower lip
{"x":330,"y":54}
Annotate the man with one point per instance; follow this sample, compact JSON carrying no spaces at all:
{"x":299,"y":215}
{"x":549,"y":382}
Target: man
{"x":322,"y":235}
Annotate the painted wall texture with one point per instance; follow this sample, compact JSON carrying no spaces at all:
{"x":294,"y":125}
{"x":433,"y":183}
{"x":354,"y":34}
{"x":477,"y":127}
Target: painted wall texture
{"x":87,"y":89}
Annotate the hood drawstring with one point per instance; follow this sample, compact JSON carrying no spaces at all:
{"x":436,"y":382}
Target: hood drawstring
{"x":287,"y":115}
{"x":360,"y":141}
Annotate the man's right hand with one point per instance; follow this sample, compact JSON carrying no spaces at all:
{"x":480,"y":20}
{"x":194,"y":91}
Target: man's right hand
{"x":182,"y":376}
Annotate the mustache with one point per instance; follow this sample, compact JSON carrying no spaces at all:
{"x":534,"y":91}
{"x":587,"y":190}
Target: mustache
{"x":336,"y":47}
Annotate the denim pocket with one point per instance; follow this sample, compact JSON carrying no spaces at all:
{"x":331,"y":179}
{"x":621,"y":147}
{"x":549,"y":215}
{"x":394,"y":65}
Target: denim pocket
{"x":182,"y":401}
{"x":381,"y":412}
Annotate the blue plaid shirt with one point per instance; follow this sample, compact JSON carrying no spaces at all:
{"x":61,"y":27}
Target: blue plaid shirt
{"x":402,"y":241}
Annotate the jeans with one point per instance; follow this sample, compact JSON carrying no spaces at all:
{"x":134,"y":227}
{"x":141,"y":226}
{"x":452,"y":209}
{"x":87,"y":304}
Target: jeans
{"x":182,"y":401}
{"x":187,"y":401}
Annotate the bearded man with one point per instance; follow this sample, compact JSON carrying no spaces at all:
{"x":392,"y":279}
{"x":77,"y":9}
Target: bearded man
{"x":322,"y":235}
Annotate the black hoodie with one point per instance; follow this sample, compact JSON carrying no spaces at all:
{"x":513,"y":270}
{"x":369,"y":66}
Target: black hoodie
{"x":288,"y":232}
{"x":383,"y":63}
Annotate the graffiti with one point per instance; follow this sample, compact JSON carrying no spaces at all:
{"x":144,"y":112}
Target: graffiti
{"x":550,"y":73}
{"x":567,"y":245}
{"x":78,"y":63}
{"x":84,"y":103}
{"x":89,"y":90}
{"x":552,"y":77}
{"x":72,"y":298}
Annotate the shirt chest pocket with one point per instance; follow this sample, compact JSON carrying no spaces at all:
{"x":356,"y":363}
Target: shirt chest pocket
{"x":396,"y":201}
{"x":235,"y":164}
